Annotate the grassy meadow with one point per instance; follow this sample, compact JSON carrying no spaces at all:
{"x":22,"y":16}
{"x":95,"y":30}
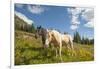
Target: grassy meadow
{"x":29,"y":50}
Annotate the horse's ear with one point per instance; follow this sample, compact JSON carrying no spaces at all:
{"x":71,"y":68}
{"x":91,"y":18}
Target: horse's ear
{"x":47,"y":31}
{"x":40,"y":27}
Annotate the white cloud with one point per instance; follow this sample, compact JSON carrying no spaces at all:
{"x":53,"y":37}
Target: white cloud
{"x":23,"y":17}
{"x":35,"y":9}
{"x":85,"y":13}
{"x":75,"y":12}
{"x":89,"y":24}
{"x":75,"y":20}
{"x":73,"y":27}
{"x":19,"y":5}
{"x":88,"y":15}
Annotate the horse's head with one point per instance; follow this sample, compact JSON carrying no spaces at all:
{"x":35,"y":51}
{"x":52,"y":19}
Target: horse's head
{"x":44,"y":34}
{"x":47,"y":38}
{"x":38,"y":32}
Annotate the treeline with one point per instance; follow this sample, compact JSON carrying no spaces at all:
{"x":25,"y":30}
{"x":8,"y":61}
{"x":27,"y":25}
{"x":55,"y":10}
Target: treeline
{"x":22,"y":25}
{"x":82,"y":40}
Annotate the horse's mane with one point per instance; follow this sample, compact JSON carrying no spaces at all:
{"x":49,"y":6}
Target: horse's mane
{"x":44,"y":30}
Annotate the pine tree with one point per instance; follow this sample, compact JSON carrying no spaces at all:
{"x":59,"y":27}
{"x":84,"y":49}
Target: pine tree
{"x":77,"y":37}
{"x":82,"y":40}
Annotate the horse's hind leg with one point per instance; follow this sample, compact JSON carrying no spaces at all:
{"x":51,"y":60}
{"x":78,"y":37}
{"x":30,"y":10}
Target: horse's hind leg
{"x":72,"y":48}
{"x":68,"y":49}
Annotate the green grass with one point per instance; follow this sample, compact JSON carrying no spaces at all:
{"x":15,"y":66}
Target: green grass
{"x":29,"y":50}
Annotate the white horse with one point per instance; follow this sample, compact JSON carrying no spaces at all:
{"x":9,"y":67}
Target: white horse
{"x":58,"y":39}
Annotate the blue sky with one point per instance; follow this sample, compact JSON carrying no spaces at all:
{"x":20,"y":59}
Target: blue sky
{"x":62,"y":18}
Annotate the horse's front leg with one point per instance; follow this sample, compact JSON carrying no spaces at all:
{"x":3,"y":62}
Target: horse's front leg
{"x":56,"y":52}
{"x":60,"y":49}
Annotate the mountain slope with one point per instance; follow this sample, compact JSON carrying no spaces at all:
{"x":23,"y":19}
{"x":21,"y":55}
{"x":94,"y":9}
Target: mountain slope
{"x":22,"y":25}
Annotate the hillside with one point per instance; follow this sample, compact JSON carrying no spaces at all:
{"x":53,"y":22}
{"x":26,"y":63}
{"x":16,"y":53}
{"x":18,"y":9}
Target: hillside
{"x":29,"y":50}
{"x":22,"y":25}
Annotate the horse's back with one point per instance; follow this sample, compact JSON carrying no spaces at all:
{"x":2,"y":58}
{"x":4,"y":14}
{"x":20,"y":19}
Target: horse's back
{"x":56,"y":37}
{"x":66,"y":38}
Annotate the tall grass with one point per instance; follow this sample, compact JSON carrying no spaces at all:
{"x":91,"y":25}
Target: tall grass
{"x":29,"y":50}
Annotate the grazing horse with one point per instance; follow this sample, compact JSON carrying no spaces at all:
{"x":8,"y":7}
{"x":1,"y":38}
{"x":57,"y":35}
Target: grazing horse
{"x":41,"y":32}
{"x":53,"y":36}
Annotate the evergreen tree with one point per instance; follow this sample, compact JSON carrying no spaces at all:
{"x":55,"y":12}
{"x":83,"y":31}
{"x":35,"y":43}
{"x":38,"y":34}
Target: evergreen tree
{"x":77,"y":37}
{"x":82,"y":40}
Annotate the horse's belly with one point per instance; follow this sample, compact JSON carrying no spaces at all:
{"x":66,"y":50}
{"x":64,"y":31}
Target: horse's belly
{"x":55,"y":43}
{"x":64,"y":43}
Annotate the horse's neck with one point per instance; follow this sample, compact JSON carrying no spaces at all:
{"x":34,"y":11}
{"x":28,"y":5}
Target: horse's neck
{"x":56,"y":35}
